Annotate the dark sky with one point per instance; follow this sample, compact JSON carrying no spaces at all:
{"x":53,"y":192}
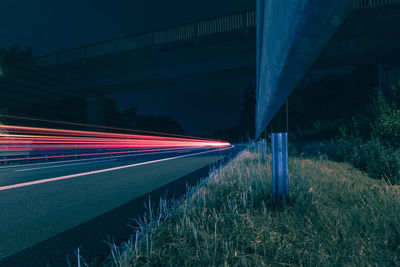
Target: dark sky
{"x":52,"y":25}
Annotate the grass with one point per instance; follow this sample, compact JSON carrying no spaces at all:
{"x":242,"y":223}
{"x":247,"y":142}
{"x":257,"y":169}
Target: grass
{"x":336,"y":216}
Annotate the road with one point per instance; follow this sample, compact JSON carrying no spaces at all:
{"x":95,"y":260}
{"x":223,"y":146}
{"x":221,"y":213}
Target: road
{"x":40,"y":201}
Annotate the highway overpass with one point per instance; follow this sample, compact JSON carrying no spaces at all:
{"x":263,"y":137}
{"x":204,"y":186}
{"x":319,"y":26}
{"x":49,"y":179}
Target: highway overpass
{"x":221,"y":48}
{"x":50,"y":202}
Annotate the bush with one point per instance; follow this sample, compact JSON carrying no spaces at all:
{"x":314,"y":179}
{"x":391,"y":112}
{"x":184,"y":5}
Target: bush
{"x":386,"y":112}
{"x":372,"y":144}
{"x":379,"y":160}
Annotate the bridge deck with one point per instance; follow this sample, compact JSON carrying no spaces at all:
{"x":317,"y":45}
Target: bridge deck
{"x":232,"y":22}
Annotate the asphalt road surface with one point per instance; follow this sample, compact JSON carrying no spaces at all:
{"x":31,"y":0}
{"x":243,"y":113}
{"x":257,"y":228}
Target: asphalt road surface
{"x":54,"y":205}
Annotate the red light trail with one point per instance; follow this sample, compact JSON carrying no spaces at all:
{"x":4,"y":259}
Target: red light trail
{"x":18,"y":141}
{"x":101,"y":127}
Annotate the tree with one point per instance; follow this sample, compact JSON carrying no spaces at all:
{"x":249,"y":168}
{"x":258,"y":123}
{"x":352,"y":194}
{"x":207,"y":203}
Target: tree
{"x":163,"y":124}
{"x":15,"y":61}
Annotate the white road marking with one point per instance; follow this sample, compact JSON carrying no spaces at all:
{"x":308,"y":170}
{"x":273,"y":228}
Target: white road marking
{"x":7,"y":187}
{"x":58,"y":166}
{"x":135,"y":154}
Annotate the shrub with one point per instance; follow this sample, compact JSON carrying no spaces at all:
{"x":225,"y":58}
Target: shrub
{"x":386,"y":112}
{"x":372,"y":143}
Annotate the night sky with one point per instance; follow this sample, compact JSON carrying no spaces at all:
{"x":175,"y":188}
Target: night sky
{"x":52,"y":25}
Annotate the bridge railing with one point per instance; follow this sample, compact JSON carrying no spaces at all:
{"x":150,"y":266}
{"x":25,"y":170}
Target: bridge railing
{"x":209,"y":27}
{"x":374,"y":3}
{"x":233,"y":22}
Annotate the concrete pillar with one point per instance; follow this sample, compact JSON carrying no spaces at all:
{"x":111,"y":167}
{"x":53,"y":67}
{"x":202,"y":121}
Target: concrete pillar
{"x":95,"y":111}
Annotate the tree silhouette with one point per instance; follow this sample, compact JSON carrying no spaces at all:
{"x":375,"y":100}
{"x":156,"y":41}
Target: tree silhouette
{"x":132,"y":120}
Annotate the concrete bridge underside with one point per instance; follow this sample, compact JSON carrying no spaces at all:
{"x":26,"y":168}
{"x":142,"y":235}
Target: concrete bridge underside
{"x":139,"y":70}
{"x":367,"y":36}
{"x":226,"y":58}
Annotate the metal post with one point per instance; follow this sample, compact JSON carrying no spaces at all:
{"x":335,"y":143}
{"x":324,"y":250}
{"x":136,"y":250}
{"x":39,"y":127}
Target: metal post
{"x":263,"y":144}
{"x":279,"y":144}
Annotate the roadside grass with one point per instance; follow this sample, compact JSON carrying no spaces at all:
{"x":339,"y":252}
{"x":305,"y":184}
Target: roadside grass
{"x":336,"y":216}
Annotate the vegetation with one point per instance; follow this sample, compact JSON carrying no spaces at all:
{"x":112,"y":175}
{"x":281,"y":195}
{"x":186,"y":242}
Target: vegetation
{"x":15,"y":61}
{"x":343,"y":118}
{"x":16,"y":64}
{"x":336,"y":216}
{"x":131,"y":119}
{"x":326,"y":100}
{"x":373,"y":142}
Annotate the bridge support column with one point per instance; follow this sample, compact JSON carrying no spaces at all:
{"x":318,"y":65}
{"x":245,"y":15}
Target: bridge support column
{"x":279,"y":145}
{"x":95,"y":112}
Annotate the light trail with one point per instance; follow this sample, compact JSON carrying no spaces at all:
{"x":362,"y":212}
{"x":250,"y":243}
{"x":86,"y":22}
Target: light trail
{"x":18,"y":142}
{"x":103,"y":127}
{"x":66,"y":156}
{"x":106,"y":156}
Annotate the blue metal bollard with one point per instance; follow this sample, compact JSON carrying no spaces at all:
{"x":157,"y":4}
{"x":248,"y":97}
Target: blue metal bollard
{"x":280,"y":170}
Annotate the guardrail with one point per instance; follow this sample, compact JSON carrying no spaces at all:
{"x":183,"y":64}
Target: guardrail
{"x":204,"y":28}
{"x":233,"y":22}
